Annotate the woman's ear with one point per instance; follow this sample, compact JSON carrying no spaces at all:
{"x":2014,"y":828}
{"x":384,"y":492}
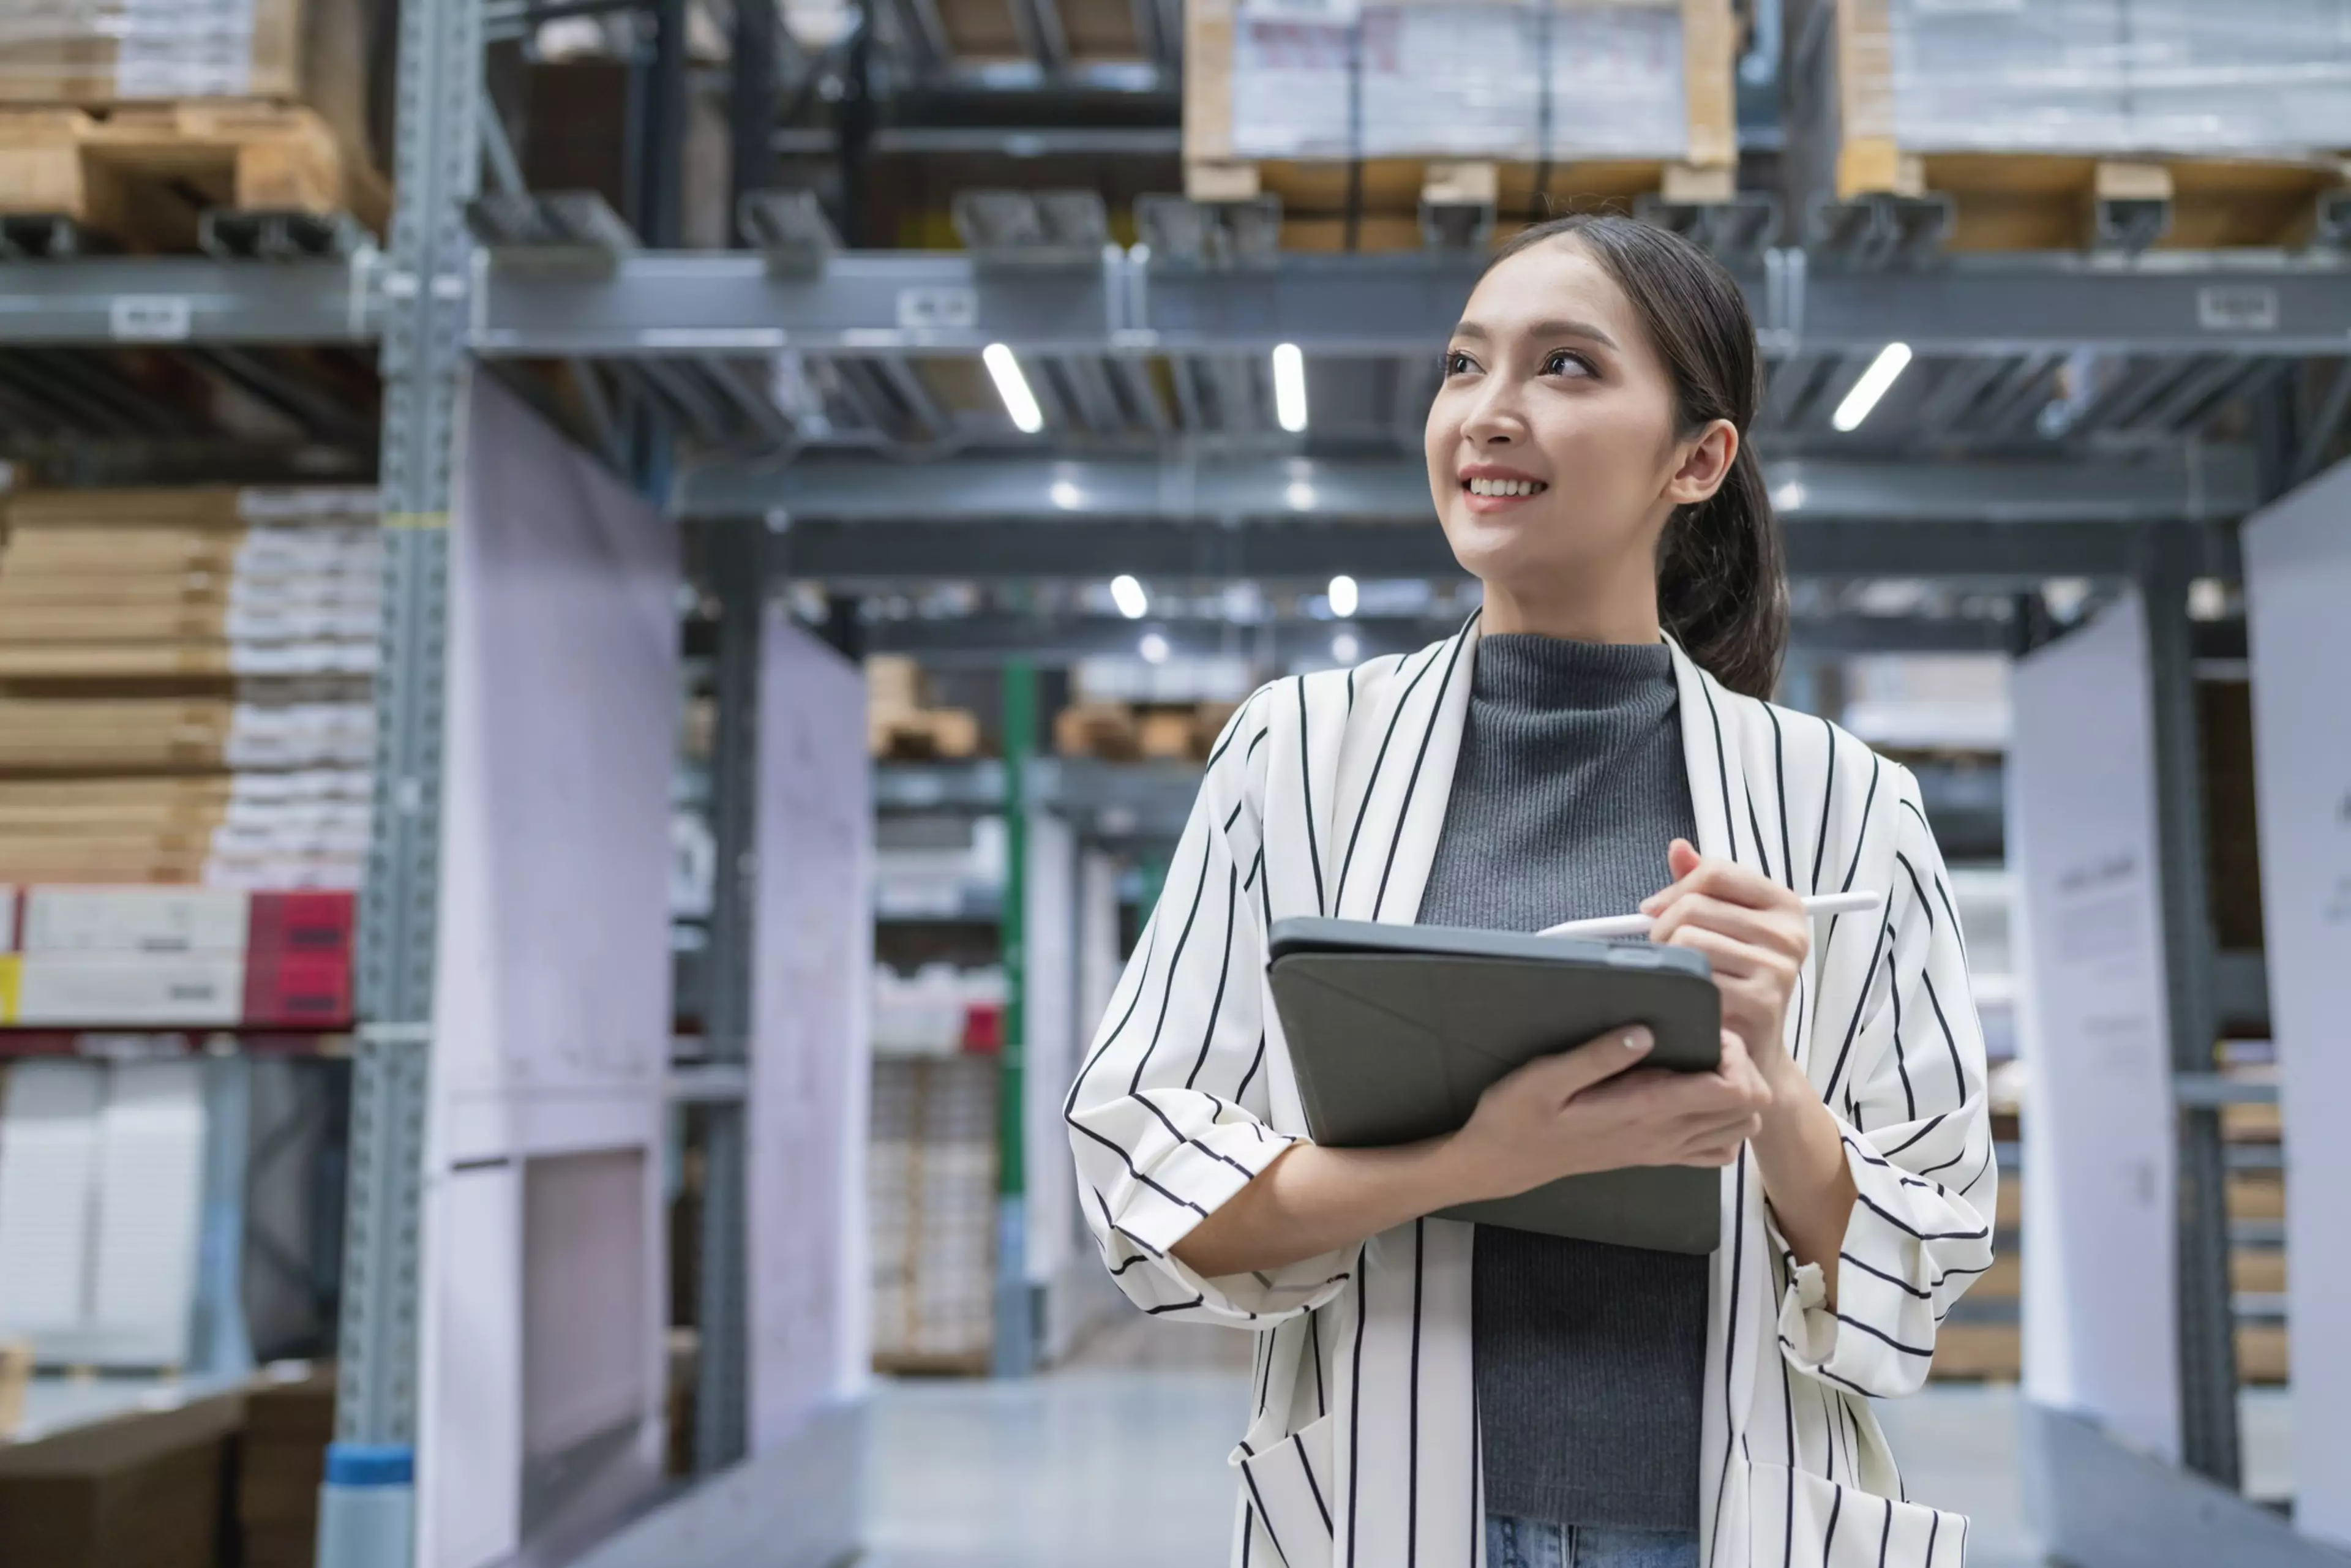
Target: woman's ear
{"x":1706,"y":464}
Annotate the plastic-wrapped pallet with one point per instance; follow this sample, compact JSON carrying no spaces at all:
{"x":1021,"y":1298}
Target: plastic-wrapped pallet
{"x":2098,"y":76}
{"x":1459,"y":80}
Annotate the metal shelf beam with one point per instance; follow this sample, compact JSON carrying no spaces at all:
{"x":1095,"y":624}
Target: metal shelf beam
{"x":2206,"y":484}
{"x":1029,"y":549}
{"x":166,"y":299}
{"x":651,"y":305}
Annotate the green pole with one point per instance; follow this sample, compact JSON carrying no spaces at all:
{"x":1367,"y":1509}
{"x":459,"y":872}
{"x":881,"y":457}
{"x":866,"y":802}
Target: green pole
{"x":1016,"y":1331}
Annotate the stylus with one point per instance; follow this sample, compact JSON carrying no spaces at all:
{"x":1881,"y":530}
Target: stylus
{"x":1827,"y":904}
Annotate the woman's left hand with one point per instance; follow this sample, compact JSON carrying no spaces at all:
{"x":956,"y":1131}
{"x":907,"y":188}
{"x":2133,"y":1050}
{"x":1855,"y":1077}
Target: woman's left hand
{"x":1752,"y":930}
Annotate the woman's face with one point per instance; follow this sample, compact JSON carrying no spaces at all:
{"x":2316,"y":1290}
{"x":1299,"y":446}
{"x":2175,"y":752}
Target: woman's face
{"x":1552,"y":454}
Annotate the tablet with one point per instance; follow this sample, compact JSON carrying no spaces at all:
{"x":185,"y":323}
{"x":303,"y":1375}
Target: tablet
{"x":1395,"y":1030}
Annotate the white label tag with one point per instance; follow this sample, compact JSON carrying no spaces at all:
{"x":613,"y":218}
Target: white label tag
{"x":2237,"y":308}
{"x":948,"y":309}
{"x":149,"y":317}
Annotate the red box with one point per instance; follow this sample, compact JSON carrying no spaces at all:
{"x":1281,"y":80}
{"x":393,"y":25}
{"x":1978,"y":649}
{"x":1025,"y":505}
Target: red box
{"x":297,"y":989}
{"x":307,"y":923}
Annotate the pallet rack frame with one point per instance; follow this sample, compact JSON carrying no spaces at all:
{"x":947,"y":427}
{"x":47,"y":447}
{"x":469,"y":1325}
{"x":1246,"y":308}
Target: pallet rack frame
{"x":434,"y":303}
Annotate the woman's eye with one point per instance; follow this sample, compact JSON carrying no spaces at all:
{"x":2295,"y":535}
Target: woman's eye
{"x":1458,"y":364}
{"x":1563,"y":363}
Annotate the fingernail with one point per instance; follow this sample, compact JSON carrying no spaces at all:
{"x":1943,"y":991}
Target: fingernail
{"x":1638,"y":1038}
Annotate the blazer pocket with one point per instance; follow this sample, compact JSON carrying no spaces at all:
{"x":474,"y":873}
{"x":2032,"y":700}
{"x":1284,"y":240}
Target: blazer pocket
{"x":1288,"y":1486}
{"x":1809,"y":1522}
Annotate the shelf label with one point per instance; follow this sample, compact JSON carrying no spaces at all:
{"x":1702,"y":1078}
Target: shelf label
{"x":2237,"y":308}
{"x":149,"y":317}
{"x":949,"y":309}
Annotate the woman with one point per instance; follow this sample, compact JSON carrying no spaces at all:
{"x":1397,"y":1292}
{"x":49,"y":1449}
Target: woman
{"x":1443,"y":1396}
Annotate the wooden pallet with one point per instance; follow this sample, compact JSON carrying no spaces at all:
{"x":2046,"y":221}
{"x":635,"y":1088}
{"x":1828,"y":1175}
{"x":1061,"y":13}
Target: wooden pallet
{"x":15,"y":1373}
{"x":1400,"y":203}
{"x":917,"y":734}
{"x":1126,"y":732}
{"x":1408,"y":203}
{"x":981,"y":33}
{"x":2024,"y":201}
{"x":143,"y":176}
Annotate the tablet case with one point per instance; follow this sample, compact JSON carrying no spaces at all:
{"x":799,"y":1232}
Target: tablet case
{"x":1394,"y":1031}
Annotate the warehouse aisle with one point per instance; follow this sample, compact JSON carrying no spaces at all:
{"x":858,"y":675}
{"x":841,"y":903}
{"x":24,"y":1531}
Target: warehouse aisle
{"x":1118,"y":1458}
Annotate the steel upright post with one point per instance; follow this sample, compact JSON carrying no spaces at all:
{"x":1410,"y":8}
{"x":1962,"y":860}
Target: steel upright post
{"x":738,"y":561}
{"x":2208,"y":1354}
{"x":367,"y":1511}
{"x":1015,"y":1332}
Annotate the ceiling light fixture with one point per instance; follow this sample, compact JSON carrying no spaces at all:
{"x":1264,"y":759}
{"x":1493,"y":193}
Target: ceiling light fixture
{"x":1875,"y":380}
{"x":1342,"y":596}
{"x":1128,"y":595}
{"x":1013,"y":388}
{"x":1289,"y":387}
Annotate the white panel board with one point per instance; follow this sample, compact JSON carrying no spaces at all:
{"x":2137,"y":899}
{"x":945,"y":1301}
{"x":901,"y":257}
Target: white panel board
{"x":48,"y":1176}
{"x":150,"y":1198}
{"x":551,"y":1008}
{"x":810,"y":1056}
{"x":2297,"y":588}
{"x":1049,"y":1015}
{"x":2099,"y":1153}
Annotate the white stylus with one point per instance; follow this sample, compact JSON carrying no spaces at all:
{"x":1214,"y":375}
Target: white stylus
{"x":1858,"y":903}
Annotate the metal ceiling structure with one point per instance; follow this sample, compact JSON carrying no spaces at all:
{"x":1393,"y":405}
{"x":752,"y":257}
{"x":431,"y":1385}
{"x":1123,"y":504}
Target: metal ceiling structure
{"x":762,"y":357}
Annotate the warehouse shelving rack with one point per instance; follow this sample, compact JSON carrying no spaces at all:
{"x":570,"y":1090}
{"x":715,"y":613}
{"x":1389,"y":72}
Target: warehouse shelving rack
{"x":1965,"y":480}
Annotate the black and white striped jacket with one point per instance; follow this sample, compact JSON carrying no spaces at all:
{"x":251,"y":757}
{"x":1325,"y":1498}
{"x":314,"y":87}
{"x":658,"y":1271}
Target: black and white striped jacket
{"x":1326,"y":795}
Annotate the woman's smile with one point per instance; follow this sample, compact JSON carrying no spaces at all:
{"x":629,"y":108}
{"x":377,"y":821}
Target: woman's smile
{"x":1488,"y":488}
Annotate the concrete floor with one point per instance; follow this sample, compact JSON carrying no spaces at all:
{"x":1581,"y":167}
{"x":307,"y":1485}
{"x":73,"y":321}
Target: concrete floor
{"x":1118,"y":1458}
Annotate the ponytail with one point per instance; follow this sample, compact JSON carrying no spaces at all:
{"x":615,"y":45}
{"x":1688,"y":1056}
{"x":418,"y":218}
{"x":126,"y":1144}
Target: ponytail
{"x":1722,"y":582}
{"x":1722,"y":573}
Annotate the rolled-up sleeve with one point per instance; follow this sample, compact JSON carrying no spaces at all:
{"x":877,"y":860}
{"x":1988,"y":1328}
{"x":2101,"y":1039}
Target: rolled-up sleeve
{"x":1912,"y":1112}
{"x":1169,"y":1117}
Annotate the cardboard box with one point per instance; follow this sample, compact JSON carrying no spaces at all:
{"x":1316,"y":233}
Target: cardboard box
{"x":281,"y":1461}
{"x":192,"y":989}
{"x":135,"y":920}
{"x":143,"y":1491}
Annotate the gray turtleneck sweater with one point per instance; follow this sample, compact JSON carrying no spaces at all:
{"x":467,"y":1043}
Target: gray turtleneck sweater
{"x":1590,"y":1358}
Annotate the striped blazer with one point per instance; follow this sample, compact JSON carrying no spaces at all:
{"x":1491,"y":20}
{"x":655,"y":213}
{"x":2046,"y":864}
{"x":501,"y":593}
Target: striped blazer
{"x":1326,"y":795}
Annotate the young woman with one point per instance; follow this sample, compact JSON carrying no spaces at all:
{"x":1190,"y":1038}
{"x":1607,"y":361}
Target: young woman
{"x":1438,"y":1394}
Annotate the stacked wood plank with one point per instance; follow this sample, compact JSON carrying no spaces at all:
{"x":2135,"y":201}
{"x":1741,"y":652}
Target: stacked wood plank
{"x":1361,"y":119}
{"x":185,"y":686}
{"x":931,"y":1180}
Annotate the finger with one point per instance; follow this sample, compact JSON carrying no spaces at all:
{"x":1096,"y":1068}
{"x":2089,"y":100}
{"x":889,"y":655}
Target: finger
{"x":1730,"y":957}
{"x":1570,"y":1072}
{"x":1737,"y":1068}
{"x":1726,"y":880}
{"x":1774,"y":929}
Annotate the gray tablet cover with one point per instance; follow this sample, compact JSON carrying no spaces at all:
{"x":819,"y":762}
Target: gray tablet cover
{"x":1395,"y":1031}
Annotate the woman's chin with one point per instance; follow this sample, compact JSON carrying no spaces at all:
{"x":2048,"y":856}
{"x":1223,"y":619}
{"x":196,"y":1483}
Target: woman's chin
{"x":1492,"y":547}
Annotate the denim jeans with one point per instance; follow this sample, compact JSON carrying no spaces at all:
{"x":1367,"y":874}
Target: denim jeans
{"x":1537,"y":1544}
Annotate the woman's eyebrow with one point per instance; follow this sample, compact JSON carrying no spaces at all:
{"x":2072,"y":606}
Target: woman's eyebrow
{"x":1585,"y":330}
{"x":1573,"y":330}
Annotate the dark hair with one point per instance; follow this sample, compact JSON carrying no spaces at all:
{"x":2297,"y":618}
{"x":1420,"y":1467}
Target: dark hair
{"x":1722,"y":577}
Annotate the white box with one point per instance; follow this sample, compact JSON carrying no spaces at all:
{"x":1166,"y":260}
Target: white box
{"x":193,"y":989}
{"x":134,"y":920}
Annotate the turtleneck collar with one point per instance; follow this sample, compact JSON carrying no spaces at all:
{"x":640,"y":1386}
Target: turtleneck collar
{"x":1530,"y":670}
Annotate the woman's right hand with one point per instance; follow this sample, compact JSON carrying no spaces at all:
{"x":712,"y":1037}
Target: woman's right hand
{"x":1594,"y":1108}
